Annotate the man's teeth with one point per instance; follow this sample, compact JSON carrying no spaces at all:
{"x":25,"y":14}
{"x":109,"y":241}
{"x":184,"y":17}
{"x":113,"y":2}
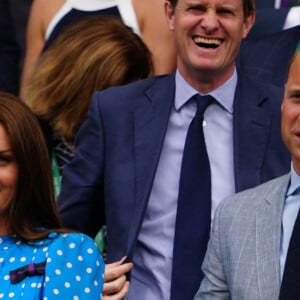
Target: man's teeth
{"x":207,"y":42}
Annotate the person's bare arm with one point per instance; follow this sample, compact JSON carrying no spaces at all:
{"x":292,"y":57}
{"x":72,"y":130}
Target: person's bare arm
{"x":156,"y":34}
{"x":41,"y":13}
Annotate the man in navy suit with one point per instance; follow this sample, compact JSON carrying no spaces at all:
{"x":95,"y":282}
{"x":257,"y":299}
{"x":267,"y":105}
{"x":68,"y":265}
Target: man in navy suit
{"x":128,"y":159}
{"x":9,"y":51}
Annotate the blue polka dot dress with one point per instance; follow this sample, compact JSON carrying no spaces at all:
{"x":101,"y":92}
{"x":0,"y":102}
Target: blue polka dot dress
{"x":63,"y":266}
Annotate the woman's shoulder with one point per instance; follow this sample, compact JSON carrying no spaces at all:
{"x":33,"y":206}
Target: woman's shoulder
{"x":78,"y":249}
{"x":70,"y":240}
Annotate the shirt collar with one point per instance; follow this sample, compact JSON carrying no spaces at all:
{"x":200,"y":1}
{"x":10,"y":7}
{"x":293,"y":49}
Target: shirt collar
{"x":224,"y":94}
{"x":295,"y":182}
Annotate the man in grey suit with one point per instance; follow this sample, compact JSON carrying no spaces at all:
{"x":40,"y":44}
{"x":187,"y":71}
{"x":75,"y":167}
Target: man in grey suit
{"x":251,"y":233}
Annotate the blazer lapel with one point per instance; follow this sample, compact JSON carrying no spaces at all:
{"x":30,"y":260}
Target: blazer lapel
{"x":251,"y":126}
{"x":268,"y":228}
{"x":151,"y":121}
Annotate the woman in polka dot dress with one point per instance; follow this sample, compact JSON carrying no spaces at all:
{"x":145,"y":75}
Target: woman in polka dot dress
{"x":38,"y":258}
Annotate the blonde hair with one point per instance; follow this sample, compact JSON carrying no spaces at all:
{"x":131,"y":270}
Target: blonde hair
{"x":92,"y":55}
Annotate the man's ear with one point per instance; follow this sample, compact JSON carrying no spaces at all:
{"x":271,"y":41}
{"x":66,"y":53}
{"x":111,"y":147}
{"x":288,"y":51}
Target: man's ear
{"x":169,"y":12}
{"x":248,"y":23}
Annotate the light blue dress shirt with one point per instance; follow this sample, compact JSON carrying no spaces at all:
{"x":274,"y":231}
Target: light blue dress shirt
{"x":290,"y":211}
{"x":151,"y":275}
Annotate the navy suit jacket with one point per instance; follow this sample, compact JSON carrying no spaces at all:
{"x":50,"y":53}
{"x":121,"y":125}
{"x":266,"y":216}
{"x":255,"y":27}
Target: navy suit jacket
{"x":268,"y":21}
{"x":119,"y":146}
{"x":265,"y":3}
{"x":267,"y":58}
{"x":9,"y":51}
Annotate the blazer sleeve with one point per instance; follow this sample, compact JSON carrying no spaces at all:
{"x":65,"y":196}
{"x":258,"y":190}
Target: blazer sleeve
{"x":214,"y":285}
{"x":80,"y":202}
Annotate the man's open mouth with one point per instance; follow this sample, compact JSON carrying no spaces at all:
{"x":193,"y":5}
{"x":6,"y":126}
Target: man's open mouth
{"x":207,"y":43}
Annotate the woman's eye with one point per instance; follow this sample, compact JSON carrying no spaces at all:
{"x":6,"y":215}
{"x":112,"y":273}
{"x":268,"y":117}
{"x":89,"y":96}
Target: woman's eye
{"x":6,"y":158}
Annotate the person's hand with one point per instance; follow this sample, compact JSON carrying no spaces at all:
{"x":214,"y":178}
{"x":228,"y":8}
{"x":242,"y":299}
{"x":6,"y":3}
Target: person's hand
{"x":115,"y":284}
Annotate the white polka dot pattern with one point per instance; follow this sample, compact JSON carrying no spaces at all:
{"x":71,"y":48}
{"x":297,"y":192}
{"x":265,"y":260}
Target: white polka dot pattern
{"x":74,"y":268}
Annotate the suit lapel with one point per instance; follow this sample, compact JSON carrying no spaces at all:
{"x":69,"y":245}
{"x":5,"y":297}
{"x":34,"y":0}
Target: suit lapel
{"x":251,"y":126}
{"x":150,"y":124}
{"x":268,"y":228}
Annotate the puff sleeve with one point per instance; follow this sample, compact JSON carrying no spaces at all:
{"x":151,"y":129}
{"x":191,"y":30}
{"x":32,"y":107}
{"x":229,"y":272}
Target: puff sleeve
{"x":74,"y":269}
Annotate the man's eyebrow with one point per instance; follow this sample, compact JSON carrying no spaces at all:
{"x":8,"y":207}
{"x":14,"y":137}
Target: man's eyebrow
{"x":293,"y":89}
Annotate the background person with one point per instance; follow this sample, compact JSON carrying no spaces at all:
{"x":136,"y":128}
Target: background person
{"x":9,"y":51}
{"x":92,"y":55}
{"x":274,"y":16}
{"x":267,"y":58}
{"x":275,"y":3}
{"x":48,"y":19}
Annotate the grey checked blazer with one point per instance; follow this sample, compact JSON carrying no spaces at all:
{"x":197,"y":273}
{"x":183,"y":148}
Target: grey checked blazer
{"x":242,"y":260}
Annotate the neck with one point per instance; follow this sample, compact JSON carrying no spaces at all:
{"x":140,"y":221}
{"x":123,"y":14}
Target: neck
{"x":205,"y":81}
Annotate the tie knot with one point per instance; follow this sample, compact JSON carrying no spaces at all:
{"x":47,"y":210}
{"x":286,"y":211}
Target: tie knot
{"x":202,"y":103}
{"x":293,"y":191}
{"x":296,"y":191}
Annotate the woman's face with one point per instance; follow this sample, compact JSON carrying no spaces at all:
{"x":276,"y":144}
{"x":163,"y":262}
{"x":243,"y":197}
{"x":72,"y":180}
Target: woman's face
{"x":8,"y":180}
